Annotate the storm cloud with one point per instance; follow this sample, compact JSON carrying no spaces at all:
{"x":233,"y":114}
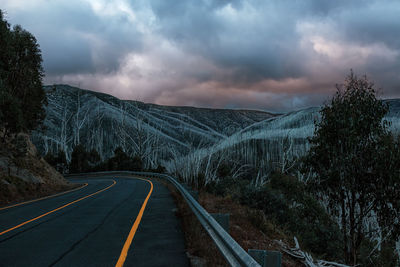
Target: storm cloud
{"x":275,"y":55}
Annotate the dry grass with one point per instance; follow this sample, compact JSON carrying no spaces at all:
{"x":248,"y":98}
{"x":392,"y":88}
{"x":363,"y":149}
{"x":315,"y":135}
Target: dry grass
{"x":18,"y":191}
{"x":200,"y":248}
{"x":26,"y":176}
{"x":249,"y":227}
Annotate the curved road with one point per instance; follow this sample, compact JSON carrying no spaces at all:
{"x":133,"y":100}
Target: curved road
{"x":113,"y":221}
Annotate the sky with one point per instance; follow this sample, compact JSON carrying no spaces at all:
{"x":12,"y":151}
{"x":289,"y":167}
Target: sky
{"x":276,"y":55}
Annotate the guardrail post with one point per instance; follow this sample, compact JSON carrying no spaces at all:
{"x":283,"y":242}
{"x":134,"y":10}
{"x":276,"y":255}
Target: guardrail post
{"x":266,"y":258}
{"x":273,"y":258}
{"x":258,"y":255}
{"x":222,"y":219}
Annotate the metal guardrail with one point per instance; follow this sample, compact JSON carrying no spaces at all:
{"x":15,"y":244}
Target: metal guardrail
{"x":230,"y":249}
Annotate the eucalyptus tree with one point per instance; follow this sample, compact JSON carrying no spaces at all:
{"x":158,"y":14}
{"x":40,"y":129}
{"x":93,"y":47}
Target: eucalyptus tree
{"x":354,"y":159}
{"x":21,"y":73}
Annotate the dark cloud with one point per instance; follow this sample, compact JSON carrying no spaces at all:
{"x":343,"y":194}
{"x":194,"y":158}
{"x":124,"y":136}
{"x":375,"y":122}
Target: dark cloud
{"x":253,"y":40}
{"x":260,"y":39}
{"x":66,"y":55}
{"x":375,"y":21}
{"x":74,"y":39}
{"x":256,"y":39}
{"x":282,"y":54}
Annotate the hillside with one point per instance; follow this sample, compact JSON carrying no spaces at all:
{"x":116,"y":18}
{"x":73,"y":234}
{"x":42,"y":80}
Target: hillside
{"x":186,"y":140}
{"x":103,"y":122}
{"x":24,"y":174}
{"x":274,"y":143}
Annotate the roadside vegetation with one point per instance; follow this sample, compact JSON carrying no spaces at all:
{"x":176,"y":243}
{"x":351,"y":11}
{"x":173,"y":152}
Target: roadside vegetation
{"x":201,"y":250}
{"x":21,"y":90}
{"x":23,"y":174}
{"x":248,"y":226}
{"x":342,"y":199}
{"x":283,"y":207}
{"x":90,"y":161}
{"x":354,"y":167}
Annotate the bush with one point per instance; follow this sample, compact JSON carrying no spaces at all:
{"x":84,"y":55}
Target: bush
{"x":224,"y":170}
{"x":386,"y":256}
{"x":286,"y":202}
{"x":79,"y":160}
{"x":59,"y":162}
{"x":137,"y":164}
{"x":228,"y":186}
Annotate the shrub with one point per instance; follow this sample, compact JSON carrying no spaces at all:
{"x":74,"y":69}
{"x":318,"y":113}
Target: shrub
{"x":286,"y":202}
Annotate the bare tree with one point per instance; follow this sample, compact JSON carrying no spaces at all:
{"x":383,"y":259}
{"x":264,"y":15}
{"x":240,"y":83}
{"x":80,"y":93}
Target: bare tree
{"x":64,"y":138}
{"x":95,"y":139}
{"x":287,"y":160}
{"x":80,"y":119}
{"x":142,"y":142}
{"x":122,"y":128}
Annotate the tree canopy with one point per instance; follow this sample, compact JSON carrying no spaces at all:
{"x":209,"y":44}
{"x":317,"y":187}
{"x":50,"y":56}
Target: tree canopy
{"x":354,"y":159}
{"x":86,"y":161}
{"x":21,"y":90}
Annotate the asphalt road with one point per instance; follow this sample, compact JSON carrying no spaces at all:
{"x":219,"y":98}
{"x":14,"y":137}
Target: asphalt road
{"x":93,"y":226}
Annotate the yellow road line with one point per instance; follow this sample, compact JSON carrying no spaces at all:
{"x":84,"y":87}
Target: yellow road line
{"x":59,"y":208}
{"x":128,"y":242}
{"x":42,"y":198}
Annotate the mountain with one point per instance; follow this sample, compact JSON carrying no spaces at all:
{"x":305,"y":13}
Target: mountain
{"x":274,"y":143}
{"x":186,"y":140}
{"x":103,"y":122}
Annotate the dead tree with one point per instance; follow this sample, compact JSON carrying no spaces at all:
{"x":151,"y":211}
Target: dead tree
{"x":80,"y":119}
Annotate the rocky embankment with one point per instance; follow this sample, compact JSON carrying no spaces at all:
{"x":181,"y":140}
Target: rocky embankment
{"x":24,"y":174}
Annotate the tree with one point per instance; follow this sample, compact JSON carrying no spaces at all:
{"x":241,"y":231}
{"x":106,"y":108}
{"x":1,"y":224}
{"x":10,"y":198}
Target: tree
{"x":10,"y":113}
{"x":93,"y":158}
{"x":122,"y":162}
{"x":79,"y":160}
{"x":355,"y":163}
{"x":64,"y":138}
{"x":59,"y":162}
{"x":80,"y":118}
{"x":25,"y":79}
{"x":145,"y":144}
{"x":11,"y":117}
{"x":21,"y":89}
{"x":136,"y":164}
{"x":5,"y":47}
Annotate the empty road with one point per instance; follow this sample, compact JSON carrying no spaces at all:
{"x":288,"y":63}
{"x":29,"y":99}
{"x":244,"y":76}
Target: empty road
{"x":112,"y":221}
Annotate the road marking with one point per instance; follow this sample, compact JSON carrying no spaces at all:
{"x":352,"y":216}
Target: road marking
{"x":128,"y":242}
{"x":59,"y":208}
{"x":42,"y":198}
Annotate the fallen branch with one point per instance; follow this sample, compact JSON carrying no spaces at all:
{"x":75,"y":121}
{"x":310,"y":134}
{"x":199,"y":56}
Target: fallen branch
{"x":305,"y":257}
